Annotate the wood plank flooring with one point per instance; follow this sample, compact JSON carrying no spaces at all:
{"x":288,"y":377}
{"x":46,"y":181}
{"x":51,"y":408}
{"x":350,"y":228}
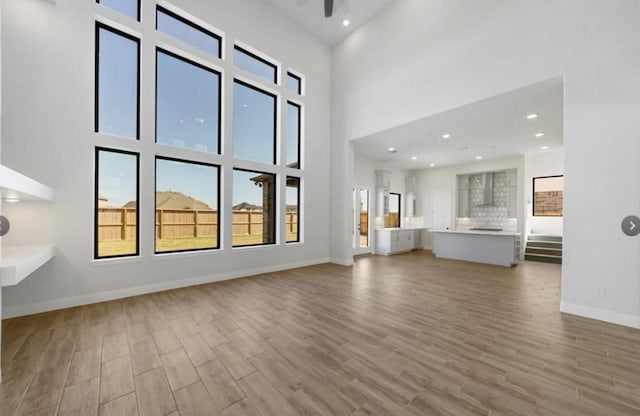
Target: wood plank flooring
{"x":402,"y":335}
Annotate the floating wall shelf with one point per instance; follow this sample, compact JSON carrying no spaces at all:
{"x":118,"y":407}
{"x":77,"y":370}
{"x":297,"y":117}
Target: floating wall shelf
{"x":13,"y":183}
{"x":19,"y":262}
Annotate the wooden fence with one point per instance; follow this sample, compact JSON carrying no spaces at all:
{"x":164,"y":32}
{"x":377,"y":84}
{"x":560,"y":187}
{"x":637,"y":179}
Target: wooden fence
{"x":120,"y":223}
{"x":364,"y":223}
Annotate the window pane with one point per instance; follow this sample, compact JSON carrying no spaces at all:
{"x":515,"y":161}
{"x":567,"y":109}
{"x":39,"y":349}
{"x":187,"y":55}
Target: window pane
{"x":116,"y":204}
{"x":254,"y":198}
{"x":293,"y":209}
{"x":257,"y":66}
{"x":293,"y":135}
{"x":254,"y":125}
{"x":186,"y":206}
{"x":188,"y":32}
{"x":117,"y":84}
{"x":548,"y":196}
{"x":393,"y":219}
{"x":294,"y":83}
{"x":188,"y":103}
{"x":127,"y":7}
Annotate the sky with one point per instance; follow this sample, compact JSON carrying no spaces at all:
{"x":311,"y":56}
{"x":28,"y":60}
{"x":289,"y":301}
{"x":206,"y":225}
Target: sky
{"x":187,"y":115}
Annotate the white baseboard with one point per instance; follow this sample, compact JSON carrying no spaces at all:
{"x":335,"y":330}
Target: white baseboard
{"x":606,"y":315}
{"x":51,"y":305}
{"x":342,"y":262}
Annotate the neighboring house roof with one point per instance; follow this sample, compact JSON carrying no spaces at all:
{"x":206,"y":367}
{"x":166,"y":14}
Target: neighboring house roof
{"x":245,"y":206}
{"x":174,"y":200}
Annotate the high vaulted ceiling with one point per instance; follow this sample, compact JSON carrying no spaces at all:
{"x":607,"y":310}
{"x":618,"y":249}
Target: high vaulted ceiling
{"x":492,"y":128}
{"x":309,"y":15}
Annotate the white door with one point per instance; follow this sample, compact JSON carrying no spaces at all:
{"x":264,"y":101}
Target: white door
{"x":441,"y":209}
{"x":361,"y":230}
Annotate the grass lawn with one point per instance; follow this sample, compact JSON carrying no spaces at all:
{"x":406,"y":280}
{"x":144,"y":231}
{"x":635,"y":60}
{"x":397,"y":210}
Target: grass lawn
{"x":124,"y":247}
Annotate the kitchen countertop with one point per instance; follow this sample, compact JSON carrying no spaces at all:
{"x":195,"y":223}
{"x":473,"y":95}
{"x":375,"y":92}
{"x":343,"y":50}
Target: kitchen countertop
{"x":500,"y":233}
{"x":401,"y":228}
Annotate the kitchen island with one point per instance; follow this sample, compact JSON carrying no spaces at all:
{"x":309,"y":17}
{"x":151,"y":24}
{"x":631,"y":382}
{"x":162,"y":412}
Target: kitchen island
{"x":490,"y":247}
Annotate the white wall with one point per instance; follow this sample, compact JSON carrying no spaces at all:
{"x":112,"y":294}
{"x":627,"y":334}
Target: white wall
{"x":419,"y":58}
{"x":549,"y":163}
{"x":444,"y":179}
{"x":47,"y":131}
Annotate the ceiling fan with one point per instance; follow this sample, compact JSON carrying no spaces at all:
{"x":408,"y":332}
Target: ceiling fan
{"x":328,"y":6}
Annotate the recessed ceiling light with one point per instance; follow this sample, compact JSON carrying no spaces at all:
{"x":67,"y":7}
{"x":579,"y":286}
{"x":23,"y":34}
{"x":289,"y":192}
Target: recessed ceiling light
{"x":12,"y":199}
{"x":544,"y":147}
{"x":345,"y":22}
{"x":433,"y":165}
{"x":532,"y":116}
{"x":392,"y":150}
{"x":414,"y":157}
{"x":478,"y":157}
{"x":540,"y":134}
{"x":446,"y":136}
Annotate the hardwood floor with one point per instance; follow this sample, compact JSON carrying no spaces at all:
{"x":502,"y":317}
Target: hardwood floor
{"x":402,"y":335}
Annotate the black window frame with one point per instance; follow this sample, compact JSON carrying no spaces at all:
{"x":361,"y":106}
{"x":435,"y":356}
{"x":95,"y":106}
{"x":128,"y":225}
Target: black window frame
{"x":299,"y":132}
{"x":96,"y":199}
{"x":198,"y":65}
{"x":99,"y":26}
{"x":275,"y":121}
{"x":298,"y":78}
{"x":274,"y":215}
{"x":155,"y":192}
{"x":533,"y":197}
{"x":298,"y":210}
{"x":258,"y":58}
{"x":399,"y":206}
{"x":137,"y":19}
{"x":160,"y":9}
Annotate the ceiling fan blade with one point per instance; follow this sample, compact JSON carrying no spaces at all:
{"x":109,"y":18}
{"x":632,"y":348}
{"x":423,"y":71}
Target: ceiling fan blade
{"x":328,"y":8}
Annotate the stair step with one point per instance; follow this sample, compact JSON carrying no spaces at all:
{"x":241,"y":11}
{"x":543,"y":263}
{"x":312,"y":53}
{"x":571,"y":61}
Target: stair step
{"x":543,"y":258}
{"x":544,"y":237}
{"x":544,"y":250}
{"x":549,"y":244}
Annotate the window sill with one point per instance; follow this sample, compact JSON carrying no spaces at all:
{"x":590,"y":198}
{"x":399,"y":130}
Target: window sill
{"x":115,"y":260}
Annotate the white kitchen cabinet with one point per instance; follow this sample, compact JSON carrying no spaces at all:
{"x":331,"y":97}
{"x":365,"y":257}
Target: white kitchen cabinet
{"x":499,"y":248}
{"x":391,"y":241}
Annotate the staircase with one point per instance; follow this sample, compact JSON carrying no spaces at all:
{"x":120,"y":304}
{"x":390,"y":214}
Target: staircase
{"x":544,"y":248}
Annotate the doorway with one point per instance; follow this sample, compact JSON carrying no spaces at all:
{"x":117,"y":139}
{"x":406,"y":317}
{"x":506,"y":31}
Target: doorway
{"x":361,"y":220}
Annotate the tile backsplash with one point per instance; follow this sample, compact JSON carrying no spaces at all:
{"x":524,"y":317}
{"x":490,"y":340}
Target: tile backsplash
{"x":495,"y":216}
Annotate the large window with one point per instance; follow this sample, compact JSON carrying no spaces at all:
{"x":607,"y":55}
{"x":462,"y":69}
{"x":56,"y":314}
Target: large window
{"x":117,"y":83}
{"x":186,"y":31}
{"x":254,"y":199}
{"x":129,"y":8}
{"x":293,"y":135}
{"x":293,"y":210}
{"x":254,"y":123}
{"x":163,"y":142}
{"x":116,"y":204}
{"x":187,"y":104}
{"x":255,"y":64}
{"x":186,"y":205}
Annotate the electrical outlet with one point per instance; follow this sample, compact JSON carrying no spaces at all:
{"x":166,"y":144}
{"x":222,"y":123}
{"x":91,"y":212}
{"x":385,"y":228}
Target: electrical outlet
{"x":600,"y":292}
